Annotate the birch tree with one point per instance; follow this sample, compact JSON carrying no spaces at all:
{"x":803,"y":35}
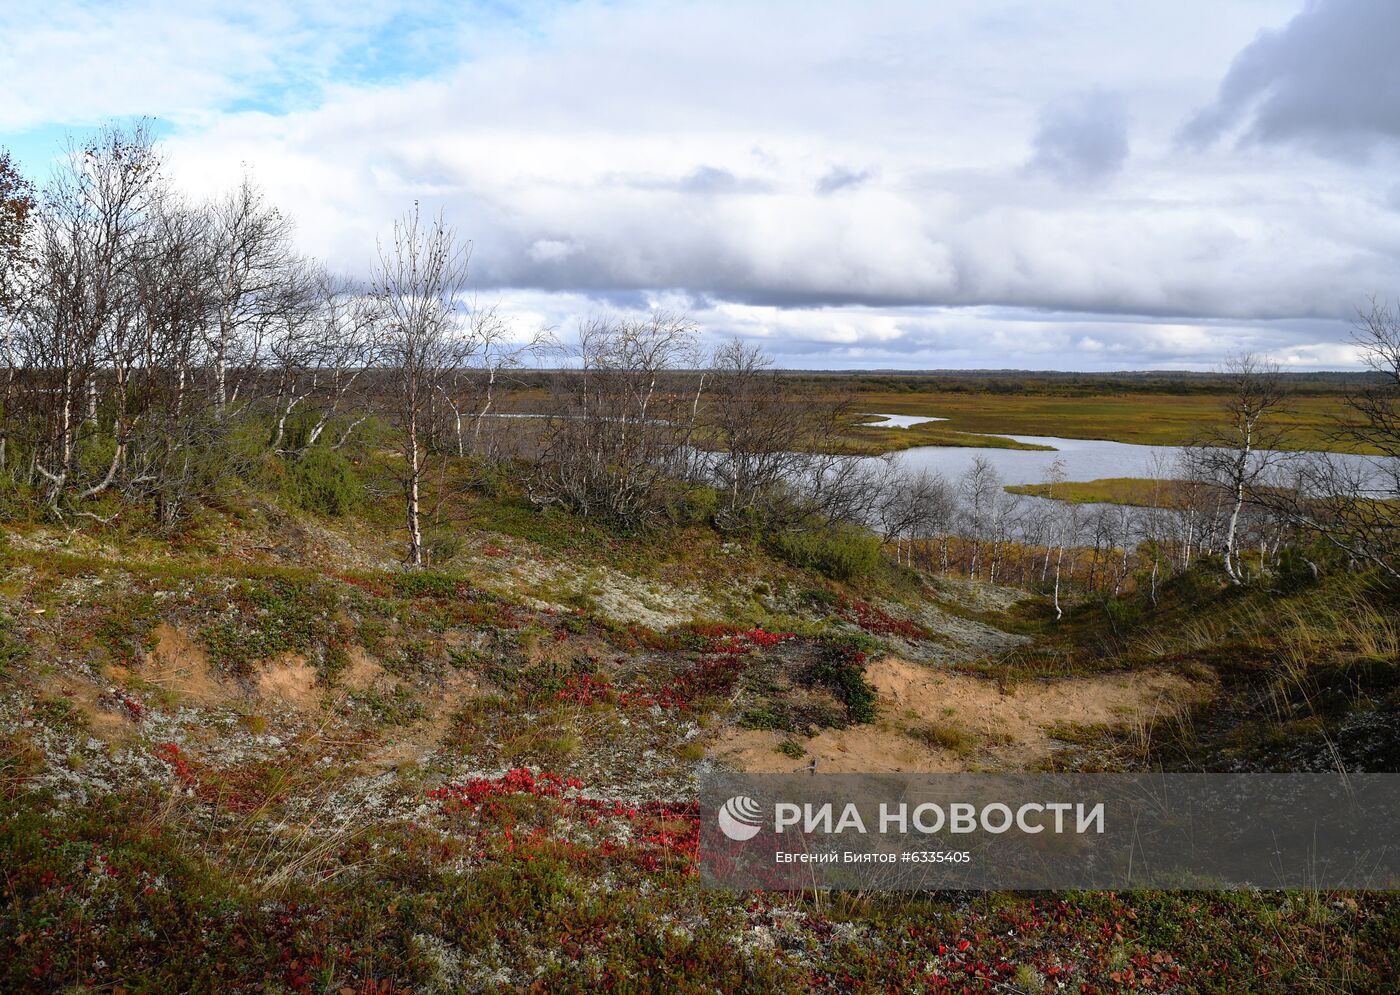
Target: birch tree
{"x":417,"y":282}
{"x":1238,"y":454}
{"x":17,"y":206}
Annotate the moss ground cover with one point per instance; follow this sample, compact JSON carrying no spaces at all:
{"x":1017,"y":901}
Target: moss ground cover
{"x":344,"y":777}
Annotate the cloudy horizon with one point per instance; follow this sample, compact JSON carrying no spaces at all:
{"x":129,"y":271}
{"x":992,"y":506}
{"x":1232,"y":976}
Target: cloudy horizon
{"x":1070,"y":186}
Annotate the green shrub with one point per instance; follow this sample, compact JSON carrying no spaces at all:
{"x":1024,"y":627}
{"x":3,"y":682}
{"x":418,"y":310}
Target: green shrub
{"x":1296,"y":570}
{"x":819,"y":597}
{"x":792,"y":748}
{"x":1123,"y":613}
{"x":694,"y":505}
{"x":427,"y":584}
{"x":335,"y":660}
{"x":842,"y":669}
{"x":325,"y":482}
{"x":271,"y":615}
{"x":840,"y":552}
{"x":763,"y":718}
{"x":944,"y":736}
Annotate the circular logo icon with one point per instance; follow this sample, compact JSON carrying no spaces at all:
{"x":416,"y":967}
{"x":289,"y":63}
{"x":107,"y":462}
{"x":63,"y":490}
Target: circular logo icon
{"x":740,"y":818}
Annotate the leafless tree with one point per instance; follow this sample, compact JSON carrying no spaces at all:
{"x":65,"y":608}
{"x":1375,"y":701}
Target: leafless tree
{"x":1063,"y":530}
{"x":1238,"y":455}
{"x":417,"y":283}
{"x":1350,"y":501}
{"x":914,"y":506}
{"x":756,"y":429}
{"x":776,"y":457}
{"x":83,"y":321}
{"x":978,"y":488}
{"x":619,"y":436}
{"x":1156,"y":520}
{"x":17,"y":209}
{"x":321,"y":360}
{"x":261,"y":285}
{"x":495,"y":347}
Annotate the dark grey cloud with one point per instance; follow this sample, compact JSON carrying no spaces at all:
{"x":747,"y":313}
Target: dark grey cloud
{"x":840,"y":178}
{"x":1329,"y":78}
{"x":1083,"y":138}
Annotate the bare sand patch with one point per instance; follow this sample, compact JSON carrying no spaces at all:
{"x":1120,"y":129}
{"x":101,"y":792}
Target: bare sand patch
{"x":179,"y":664}
{"x":363,"y":671}
{"x":290,"y":678}
{"x":1007,"y":728}
{"x":103,"y":722}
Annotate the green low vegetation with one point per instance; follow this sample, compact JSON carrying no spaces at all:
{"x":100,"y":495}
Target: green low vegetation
{"x":841,"y":553}
{"x":362,"y":835}
{"x":1136,"y":491}
{"x":1101,"y":409}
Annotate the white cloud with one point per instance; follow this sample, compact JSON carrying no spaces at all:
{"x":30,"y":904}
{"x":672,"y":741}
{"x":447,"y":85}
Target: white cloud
{"x":548,"y":250}
{"x":840,"y":182}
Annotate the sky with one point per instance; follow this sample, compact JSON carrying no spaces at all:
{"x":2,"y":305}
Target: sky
{"x":1033,"y":184}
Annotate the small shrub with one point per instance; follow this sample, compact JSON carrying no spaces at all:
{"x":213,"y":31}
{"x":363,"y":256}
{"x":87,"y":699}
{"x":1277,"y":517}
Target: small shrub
{"x":13,"y":649}
{"x":427,"y":584}
{"x":842,"y":553}
{"x":395,"y":707}
{"x":271,"y":615}
{"x":444,"y":547}
{"x":1296,"y":571}
{"x":128,"y":631}
{"x":60,"y":713}
{"x":413,"y":657}
{"x":1123,"y":613}
{"x":792,"y":748}
{"x":372,"y":634}
{"x":764,"y":718}
{"x":695,"y":506}
{"x":820,"y":597}
{"x":325,"y":482}
{"x":842,"y":669}
{"x":334,"y":660}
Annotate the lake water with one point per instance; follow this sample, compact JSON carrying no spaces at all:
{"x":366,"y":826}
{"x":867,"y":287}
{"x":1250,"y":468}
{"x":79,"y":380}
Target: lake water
{"x":1083,"y":459}
{"x":897,"y":421}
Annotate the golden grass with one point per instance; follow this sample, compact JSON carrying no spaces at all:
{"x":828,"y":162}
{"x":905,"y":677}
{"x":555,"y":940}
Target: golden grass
{"x":1145,"y":419}
{"x":1136,"y":491}
{"x":1340,"y":621}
